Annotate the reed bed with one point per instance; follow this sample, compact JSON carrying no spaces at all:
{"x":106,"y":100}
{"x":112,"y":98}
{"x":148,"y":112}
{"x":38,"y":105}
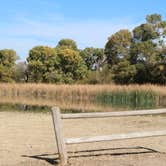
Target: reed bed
{"x":85,"y":97}
{"x":81,"y":91}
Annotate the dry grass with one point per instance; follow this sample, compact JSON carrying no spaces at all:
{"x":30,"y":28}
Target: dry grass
{"x":68,"y":96}
{"x":51,"y":90}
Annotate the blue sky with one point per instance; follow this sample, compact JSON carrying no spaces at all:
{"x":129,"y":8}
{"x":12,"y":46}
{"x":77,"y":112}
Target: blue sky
{"x":27,"y":23}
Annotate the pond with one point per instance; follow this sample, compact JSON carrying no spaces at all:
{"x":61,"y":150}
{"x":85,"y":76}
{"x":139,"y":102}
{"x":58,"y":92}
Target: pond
{"x":101,"y":102}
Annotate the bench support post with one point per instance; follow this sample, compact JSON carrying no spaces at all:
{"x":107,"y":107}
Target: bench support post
{"x":56,"y":116}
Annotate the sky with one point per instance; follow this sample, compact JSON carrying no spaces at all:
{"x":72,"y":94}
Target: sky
{"x":28,"y":23}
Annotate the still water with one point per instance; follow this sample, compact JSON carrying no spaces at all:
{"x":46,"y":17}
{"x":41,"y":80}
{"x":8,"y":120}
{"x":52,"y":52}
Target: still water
{"x":102,"y":102}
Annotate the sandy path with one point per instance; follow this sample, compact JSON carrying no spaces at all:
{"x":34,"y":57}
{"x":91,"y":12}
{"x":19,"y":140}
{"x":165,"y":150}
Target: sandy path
{"x":28,"y":139}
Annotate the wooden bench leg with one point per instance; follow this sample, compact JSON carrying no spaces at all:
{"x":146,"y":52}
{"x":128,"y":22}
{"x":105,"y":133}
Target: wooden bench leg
{"x":56,"y":116}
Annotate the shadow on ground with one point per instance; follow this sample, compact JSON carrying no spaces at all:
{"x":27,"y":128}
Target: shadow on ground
{"x":94,"y":153}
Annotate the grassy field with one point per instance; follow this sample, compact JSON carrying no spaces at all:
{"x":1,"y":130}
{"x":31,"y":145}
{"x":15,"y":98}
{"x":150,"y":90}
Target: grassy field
{"x":87,"y":97}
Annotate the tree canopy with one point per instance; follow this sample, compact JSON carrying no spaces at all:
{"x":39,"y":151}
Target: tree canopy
{"x":7,"y":64}
{"x":93,"y":57}
{"x":137,"y":56}
{"x":67,"y":43}
{"x":118,"y":46}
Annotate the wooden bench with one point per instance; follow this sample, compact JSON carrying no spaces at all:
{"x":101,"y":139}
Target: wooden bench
{"x":62,"y":142}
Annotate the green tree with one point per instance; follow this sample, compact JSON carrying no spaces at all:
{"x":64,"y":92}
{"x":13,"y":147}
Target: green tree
{"x":43,"y":65}
{"x":124,"y":72}
{"x":147,"y":49}
{"x":50,"y":65}
{"x":117,"y":47}
{"x":94,"y":58}
{"x":67,"y":44}
{"x":154,"y":29}
{"x":153,"y":18}
{"x":145,"y":32}
{"x":71,"y":66}
{"x":144,"y":52}
{"x":103,"y":76}
{"x":158,"y":73}
{"x":8,"y":58}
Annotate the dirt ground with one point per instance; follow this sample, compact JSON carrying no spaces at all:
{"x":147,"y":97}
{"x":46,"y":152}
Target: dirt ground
{"x":27,"y":139}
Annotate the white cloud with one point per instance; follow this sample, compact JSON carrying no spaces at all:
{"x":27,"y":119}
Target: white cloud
{"x":27,"y":33}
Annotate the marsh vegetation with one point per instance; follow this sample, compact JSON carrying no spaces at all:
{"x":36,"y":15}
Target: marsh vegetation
{"x":84,"y":97}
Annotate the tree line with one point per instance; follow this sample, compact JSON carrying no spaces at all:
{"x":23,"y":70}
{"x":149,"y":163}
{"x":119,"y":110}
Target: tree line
{"x":128,"y":57}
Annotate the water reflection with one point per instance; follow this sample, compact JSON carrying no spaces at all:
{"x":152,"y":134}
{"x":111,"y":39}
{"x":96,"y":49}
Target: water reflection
{"x":101,"y":102}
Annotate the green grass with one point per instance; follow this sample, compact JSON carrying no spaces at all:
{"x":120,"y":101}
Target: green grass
{"x":130,"y":100}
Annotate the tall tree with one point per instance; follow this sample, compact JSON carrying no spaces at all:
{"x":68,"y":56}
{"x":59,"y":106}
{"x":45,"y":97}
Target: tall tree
{"x":154,"y":18}
{"x":67,"y":44}
{"x":144,"y":32}
{"x":154,"y":29}
{"x":8,"y":58}
{"x":144,"y":52}
{"x":124,"y":72}
{"x":117,"y":47}
{"x":147,"y":49}
{"x":43,"y":65}
{"x":59,"y":65}
{"x":71,"y":66}
{"x":94,"y":58}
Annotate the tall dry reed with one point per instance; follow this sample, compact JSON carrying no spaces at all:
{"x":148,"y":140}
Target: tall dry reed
{"x":68,"y":96}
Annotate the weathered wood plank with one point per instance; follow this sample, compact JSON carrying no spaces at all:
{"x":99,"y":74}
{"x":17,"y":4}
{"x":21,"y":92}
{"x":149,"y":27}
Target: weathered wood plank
{"x":56,"y":116}
{"x":113,"y":114}
{"x":115,"y":137}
